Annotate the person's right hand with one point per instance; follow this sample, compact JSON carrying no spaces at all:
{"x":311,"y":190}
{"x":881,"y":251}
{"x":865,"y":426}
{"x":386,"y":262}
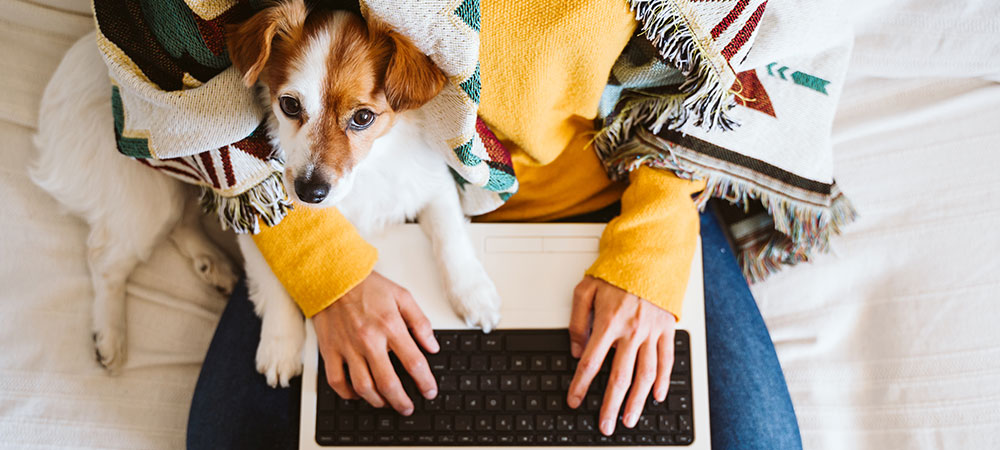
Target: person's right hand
{"x":361,"y":328}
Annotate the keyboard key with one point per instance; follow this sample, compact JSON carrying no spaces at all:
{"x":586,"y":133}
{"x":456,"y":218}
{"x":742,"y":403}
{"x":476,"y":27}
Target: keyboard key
{"x":415,"y":423}
{"x":525,"y":439}
{"x":484,"y":423}
{"x":554,"y":403}
{"x":504,"y":423}
{"x":366,"y":439}
{"x":593,"y":402}
{"x":473,"y":402}
{"x":565,"y":423}
{"x":366,"y":422}
{"x":345,"y":423}
{"x":498,"y":363}
{"x":529,"y":383}
{"x":584,"y":439}
{"x":505,"y":439}
{"x":539,"y":363}
{"x":479,"y":363}
{"x":564,"y":439}
{"x":346,"y":405}
{"x":538,"y":342}
{"x":646,"y":423}
{"x":513,"y":402}
{"x":446,"y":439}
{"x":550,"y":383}
{"x":425,"y":439}
{"x":326,"y":423}
{"x":684,"y":424}
{"x":458,"y":363}
{"x":447,"y":383}
{"x":559,"y":363}
{"x":519,"y":362}
{"x":524,"y":423}
{"x":465,"y":439}
{"x":485,"y":439}
{"x":586,"y":423}
{"x":678,"y":402}
{"x":448,"y":342}
{"x":623,"y":439}
{"x":406,"y":438}
{"x":492,"y":343}
{"x":345,"y":439}
{"x":385,"y":439}
{"x":467,"y":383}
{"x":668,"y":423}
{"x":545,"y":423}
{"x":494,"y":403}
{"x":385,"y":423}
{"x":463,"y":423}
{"x":488,"y":383}
{"x":664,"y":439}
{"x":509,"y":383}
{"x":443,"y":423}
{"x":452,"y":402}
{"x":545,"y":439}
{"x":679,"y":384}
{"x":684,"y":439}
{"x":680,"y":365}
{"x":565,"y":381}
{"x":438,"y":362}
{"x":433,"y":404}
{"x":468,"y":342}
{"x":644,"y":439}
{"x":533,"y":403}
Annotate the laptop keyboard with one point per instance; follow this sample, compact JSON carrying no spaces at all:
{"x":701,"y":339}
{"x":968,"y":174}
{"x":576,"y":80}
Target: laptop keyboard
{"x":505,"y":388}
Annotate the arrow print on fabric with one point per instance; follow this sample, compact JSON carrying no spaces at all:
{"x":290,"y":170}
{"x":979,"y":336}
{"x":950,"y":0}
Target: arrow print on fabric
{"x":801,"y":78}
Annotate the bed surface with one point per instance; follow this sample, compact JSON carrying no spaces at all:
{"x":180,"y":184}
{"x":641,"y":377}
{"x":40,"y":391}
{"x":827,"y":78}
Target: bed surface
{"x":891,"y":342}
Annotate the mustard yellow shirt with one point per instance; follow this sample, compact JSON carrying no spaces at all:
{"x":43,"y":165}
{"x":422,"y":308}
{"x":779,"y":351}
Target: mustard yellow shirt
{"x":544,"y":66}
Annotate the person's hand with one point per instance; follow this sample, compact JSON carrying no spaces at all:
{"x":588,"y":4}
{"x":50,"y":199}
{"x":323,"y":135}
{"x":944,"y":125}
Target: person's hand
{"x":643,"y":336}
{"x":361,"y":328}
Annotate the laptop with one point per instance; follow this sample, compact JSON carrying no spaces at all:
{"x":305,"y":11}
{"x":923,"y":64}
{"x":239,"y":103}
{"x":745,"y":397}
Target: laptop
{"x":535,"y":268}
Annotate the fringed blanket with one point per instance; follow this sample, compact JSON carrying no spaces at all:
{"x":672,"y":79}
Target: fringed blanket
{"x":740,"y":93}
{"x":737,"y":92}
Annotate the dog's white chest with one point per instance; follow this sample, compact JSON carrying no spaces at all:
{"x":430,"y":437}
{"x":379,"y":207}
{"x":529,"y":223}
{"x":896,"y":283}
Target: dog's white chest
{"x":400,"y":176}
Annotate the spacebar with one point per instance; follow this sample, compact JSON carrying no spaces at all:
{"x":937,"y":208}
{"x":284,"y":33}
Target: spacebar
{"x":542,"y":342}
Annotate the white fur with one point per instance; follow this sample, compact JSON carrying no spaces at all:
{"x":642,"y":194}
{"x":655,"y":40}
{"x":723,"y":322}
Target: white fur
{"x":134,"y":207}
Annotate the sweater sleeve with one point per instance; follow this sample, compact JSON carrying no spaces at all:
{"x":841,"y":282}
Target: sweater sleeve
{"x":317,"y":255}
{"x":647,"y":249}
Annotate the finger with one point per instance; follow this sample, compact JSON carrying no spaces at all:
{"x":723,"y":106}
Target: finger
{"x":590,"y":363}
{"x":665,"y":357}
{"x":336,"y":377}
{"x":618,"y":384}
{"x":579,"y":319}
{"x":645,"y":374}
{"x":414,"y":363}
{"x":417,"y":322}
{"x":388,"y":383}
{"x":361,"y":381}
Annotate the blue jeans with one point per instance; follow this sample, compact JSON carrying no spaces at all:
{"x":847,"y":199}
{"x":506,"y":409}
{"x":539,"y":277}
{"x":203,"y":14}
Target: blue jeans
{"x":233,"y":408}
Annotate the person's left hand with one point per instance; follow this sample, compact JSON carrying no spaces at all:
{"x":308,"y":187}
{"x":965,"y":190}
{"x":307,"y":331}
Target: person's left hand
{"x":643,"y":336}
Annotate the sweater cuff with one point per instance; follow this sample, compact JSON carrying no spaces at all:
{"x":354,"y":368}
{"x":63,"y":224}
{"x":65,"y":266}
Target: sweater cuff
{"x":318,"y":256}
{"x":647,"y":250}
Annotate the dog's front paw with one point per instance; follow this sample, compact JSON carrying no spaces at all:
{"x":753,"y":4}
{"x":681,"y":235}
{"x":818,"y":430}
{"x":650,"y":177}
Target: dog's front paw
{"x":109,"y":347}
{"x":217,"y":271}
{"x":478,"y":304}
{"x":279,"y":358}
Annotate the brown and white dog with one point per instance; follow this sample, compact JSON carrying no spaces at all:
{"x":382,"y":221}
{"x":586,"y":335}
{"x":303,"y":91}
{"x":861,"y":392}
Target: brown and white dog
{"x":344,"y":98}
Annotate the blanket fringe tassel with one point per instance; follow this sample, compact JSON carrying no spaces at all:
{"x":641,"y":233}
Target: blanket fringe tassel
{"x":701,"y":99}
{"x":800,"y":229}
{"x":266,"y":201}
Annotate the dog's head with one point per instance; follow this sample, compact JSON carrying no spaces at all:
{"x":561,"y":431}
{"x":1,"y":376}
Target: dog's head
{"x":334,"y":84}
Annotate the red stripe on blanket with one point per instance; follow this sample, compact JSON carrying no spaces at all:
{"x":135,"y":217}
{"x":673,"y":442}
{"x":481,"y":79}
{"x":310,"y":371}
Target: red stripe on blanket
{"x":494,"y":148}
{"x":744,"y":35}
{"x":728,"y":20}
{"x":206,"y":160}
{"x":227,"y":166}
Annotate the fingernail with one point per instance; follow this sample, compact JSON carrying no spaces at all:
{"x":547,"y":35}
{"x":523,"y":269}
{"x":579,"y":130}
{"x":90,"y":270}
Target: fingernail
{"x":631,"y":419}
{"x":574,"y":349}
{"x":435,"y":347}
{"x":607,"y":427}
{"x":430,"y":393}
{"x":408,"y":411}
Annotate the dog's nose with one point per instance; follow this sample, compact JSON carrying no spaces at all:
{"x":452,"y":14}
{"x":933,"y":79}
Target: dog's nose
{"x":311,"y":190}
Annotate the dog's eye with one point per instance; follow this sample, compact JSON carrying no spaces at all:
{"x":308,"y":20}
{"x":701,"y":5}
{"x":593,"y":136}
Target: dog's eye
{"x":289,"y":105}
{"x":362,"y":119}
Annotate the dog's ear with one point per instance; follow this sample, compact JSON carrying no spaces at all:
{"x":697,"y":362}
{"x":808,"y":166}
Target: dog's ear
{"x":249,"y":43}
{"x":411,"y":78}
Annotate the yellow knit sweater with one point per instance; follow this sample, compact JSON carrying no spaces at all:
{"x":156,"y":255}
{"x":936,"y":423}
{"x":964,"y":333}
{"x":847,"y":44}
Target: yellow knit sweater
{"x":543,"y":68}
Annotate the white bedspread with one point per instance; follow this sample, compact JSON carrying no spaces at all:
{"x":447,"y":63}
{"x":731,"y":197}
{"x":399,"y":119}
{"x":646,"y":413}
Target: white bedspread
{"x":891,"y":343}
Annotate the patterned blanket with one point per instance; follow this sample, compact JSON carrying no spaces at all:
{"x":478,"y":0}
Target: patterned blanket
{"x":737,"y":92}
